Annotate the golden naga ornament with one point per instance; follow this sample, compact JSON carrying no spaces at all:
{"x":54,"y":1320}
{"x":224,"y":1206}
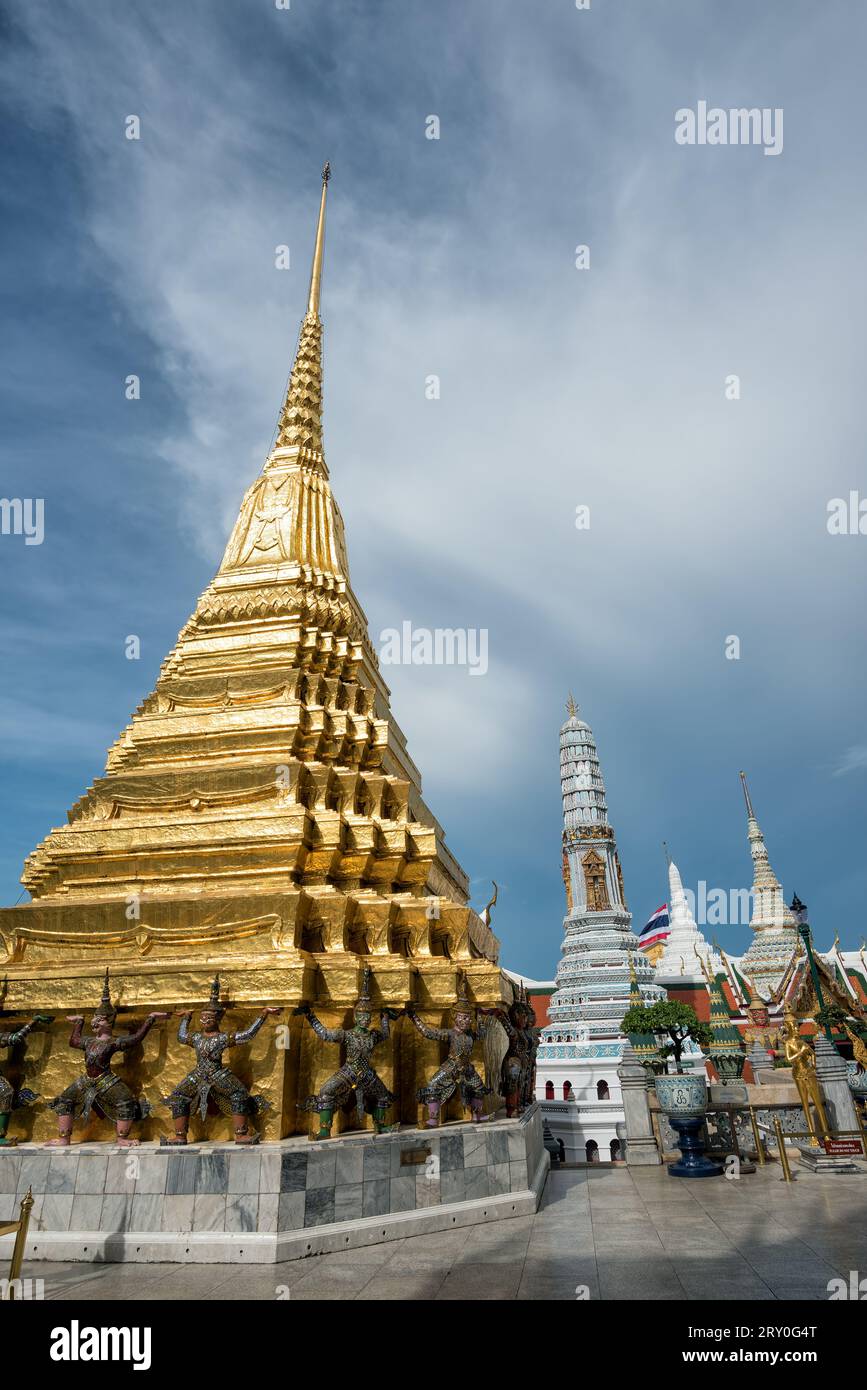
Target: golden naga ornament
{"x":261,"y":817}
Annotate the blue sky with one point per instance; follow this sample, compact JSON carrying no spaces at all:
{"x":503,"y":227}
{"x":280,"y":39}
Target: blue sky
{"x":559,"y":387}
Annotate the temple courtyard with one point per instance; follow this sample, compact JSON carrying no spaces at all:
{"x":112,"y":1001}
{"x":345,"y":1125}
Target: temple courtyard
{"x":601,"y":1232}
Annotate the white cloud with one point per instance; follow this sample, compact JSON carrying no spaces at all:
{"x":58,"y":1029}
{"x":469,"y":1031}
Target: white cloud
{"x":853,"y":760}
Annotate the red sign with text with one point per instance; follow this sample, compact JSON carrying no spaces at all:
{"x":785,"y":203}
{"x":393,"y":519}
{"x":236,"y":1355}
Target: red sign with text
{"x":843,"y":1146}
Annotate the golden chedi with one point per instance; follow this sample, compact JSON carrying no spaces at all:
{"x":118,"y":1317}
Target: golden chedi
{"x":259,"y":817}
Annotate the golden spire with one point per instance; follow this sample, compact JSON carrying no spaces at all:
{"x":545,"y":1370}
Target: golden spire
{"x":750,"y":812}
{"x":316,"y":269}
{"x":300,"y":423}
{"x":571,"y":707}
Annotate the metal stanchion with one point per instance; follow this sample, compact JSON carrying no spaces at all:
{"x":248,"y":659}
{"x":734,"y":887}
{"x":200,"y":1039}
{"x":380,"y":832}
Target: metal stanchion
{"x":781,"y":1145}
{"x":760,"y":1148}
{"x":20,"y":1228}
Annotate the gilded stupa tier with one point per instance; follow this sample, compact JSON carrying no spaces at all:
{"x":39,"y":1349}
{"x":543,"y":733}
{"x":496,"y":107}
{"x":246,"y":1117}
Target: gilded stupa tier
{"x":260,"y":814}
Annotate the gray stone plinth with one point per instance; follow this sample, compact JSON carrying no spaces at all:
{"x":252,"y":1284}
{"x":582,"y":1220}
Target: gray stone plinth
{"x":215,"y":1203}
{"x":817,"y":1161}
{"x":833,"y":1078}
{"x":641,"y":1146}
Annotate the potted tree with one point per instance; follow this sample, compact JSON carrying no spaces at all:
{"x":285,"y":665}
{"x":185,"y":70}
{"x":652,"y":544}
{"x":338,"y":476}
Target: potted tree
{"x":682,"y":1095}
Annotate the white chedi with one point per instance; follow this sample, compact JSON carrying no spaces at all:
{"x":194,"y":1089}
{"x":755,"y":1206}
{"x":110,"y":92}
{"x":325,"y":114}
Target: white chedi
{"x":685,"y":948}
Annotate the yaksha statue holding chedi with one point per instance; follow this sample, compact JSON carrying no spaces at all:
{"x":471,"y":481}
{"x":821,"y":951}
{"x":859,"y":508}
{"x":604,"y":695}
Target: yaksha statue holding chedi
{"x":533,"y":1035}
{"x":356,"y":1081}
{"x":518,"y":1068}
{"x":10,"y":1098}
{"x":457,"y":1072}
{"x":99,"y":1087}
{"x":209,"y":1079}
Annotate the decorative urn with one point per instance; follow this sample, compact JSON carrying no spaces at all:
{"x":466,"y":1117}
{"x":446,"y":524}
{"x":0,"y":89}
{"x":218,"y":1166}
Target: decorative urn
{"x":683,"y":1097}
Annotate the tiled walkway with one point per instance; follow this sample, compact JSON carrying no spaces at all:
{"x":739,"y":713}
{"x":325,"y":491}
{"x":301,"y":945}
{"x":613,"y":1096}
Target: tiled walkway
{"x":616,"y":1232}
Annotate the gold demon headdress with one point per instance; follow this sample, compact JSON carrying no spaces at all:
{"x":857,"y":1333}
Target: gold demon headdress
{"x":521,"y":1008}
{"x":362,"y":1003}
{"x":529,"y":1011}
{"x":213,"y":1005}
{"x":463,"y":1004}
{"x":105,"y":1008}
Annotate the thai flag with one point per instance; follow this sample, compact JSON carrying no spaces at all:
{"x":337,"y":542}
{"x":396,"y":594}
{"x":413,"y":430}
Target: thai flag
{"x":656,"y":929}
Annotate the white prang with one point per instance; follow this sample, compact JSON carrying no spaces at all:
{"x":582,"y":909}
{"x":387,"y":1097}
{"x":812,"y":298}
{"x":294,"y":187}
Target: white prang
{"x":582,"y":1046}
{"x":679,"y":963}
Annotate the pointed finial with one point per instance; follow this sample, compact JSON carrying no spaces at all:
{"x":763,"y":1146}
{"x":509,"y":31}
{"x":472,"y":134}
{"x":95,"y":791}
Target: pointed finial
{"x":316,"y":270}
{"x":750,"y":811}
{"x":571,"y":707}
{"x":666,"y":853}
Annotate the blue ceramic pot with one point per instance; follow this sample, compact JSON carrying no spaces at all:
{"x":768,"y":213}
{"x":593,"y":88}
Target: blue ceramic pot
{"x":682,"y":1095}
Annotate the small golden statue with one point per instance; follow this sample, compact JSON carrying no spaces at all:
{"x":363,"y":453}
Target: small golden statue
{"x":799,"y":1055}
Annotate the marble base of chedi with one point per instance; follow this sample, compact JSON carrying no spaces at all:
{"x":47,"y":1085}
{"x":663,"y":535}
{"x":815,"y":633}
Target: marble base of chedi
{"x":214,"y":1203}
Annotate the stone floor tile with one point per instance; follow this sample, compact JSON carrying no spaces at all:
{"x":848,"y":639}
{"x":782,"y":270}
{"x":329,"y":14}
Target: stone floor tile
{"x":734,"y":1291}
{"x":491,"y":1252}
{"x":424,"y":1286}
{"x":486,"y":1282}
{"x":189,"y":1283}
{"x":637,"y":1279}
{"x":553,"y":1290}
{"x":334,"y":1281}
{"x":560,"y":1265}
